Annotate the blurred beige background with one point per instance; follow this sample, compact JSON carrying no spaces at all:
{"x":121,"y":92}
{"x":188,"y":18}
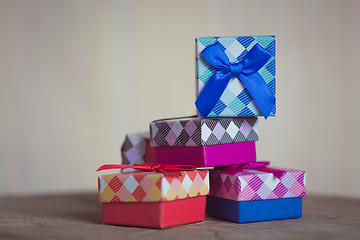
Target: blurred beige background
{"x":76,"y":76}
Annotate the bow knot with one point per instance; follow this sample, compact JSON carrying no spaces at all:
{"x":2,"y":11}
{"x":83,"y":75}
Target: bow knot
{"x":246,"y":71}
{"x":236,"y":69}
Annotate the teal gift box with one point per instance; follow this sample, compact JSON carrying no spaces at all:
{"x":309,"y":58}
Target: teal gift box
{"x":245,"y":58}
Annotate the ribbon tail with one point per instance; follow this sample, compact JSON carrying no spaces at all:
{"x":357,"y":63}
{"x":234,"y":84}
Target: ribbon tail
{"x":215,"y":56}
{"x":260,"y":92}
{"x":111,"y":166}
{"x":212,"y":92}
{"x":277,"y":172}
{"x":121,"y":166}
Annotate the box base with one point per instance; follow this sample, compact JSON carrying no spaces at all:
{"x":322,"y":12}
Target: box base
{"x":254,"y":211}
{"x":155,"y":214}
{"x":207,"y":156}
{"x":150,"y":155}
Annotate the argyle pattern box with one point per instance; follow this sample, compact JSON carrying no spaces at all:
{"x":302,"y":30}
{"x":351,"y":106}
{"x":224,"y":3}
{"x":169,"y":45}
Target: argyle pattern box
{"x":136,"y":149}
{"x":249,"y":185}
{"x":236,"y":100}
{"x":203,"y":131}
{"x":153,"y":186}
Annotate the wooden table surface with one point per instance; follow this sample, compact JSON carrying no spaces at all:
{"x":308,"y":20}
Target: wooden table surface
{"x":78,"y":216}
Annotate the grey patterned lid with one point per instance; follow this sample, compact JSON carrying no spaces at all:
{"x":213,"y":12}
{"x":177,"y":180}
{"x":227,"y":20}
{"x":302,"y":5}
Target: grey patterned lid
{"x":193,"y":131}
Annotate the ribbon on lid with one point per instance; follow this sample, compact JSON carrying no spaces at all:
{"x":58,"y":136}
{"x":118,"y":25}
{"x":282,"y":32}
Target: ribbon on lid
{"x":164,"y":168}
{"x":260,"y":166}
{"x":245,"y":70}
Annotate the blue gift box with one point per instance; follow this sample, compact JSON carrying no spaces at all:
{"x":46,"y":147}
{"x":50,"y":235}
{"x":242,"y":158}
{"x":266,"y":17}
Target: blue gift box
{"x":254,"y":211}
{"x":249,"y":87}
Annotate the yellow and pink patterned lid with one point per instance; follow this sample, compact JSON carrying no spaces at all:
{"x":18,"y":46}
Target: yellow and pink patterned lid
{"x":152,"y":186}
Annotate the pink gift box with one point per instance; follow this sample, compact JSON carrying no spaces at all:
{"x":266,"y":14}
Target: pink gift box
{"x":205,"y":142}
{"x":249,"y":185}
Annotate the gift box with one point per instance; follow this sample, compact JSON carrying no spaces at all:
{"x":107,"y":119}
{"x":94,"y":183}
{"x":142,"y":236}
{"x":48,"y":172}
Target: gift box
{"x":244,"y":194}
{"x":136,"y":149}
{"x":235,"y":76}
{"x":204,"y":142}
{"x":154,"y":199}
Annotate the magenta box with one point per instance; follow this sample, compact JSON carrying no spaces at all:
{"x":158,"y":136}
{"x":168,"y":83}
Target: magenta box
{"x":207,"y":156}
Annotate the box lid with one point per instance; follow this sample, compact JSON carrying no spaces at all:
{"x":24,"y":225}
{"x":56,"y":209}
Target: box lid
{"x":249,"y":185}
{"x":152,"y":186}
{"x":195,"y":131}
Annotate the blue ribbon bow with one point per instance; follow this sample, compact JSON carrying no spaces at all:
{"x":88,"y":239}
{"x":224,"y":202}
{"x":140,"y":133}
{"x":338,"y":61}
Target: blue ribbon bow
{"x":246,"y":71}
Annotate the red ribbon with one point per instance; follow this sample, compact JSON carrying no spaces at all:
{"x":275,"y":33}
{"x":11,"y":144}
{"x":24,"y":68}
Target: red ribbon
{"x":260,"y":166}
{"x":149,"y":167}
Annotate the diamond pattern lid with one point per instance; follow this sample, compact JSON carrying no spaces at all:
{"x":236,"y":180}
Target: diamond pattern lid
{"x":152,"y":186}
{"x":203,"y":131}
{"x":249,"y":185}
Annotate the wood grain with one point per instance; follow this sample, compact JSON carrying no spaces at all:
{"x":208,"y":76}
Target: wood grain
{"x":78,"y":216}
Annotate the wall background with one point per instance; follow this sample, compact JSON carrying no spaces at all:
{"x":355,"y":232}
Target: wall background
{"x":76,"y":76}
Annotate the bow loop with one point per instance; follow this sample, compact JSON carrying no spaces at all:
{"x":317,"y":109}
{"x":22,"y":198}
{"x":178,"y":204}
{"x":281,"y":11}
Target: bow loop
{"x":255,"y":59}
{"x":216,"y":57}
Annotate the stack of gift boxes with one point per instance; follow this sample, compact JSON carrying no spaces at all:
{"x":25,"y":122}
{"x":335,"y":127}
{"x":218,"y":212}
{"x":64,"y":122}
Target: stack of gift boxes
{"x":235,"y":85}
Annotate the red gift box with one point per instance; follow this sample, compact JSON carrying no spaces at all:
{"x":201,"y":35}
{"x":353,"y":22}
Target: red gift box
{"x":154,"y":199}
